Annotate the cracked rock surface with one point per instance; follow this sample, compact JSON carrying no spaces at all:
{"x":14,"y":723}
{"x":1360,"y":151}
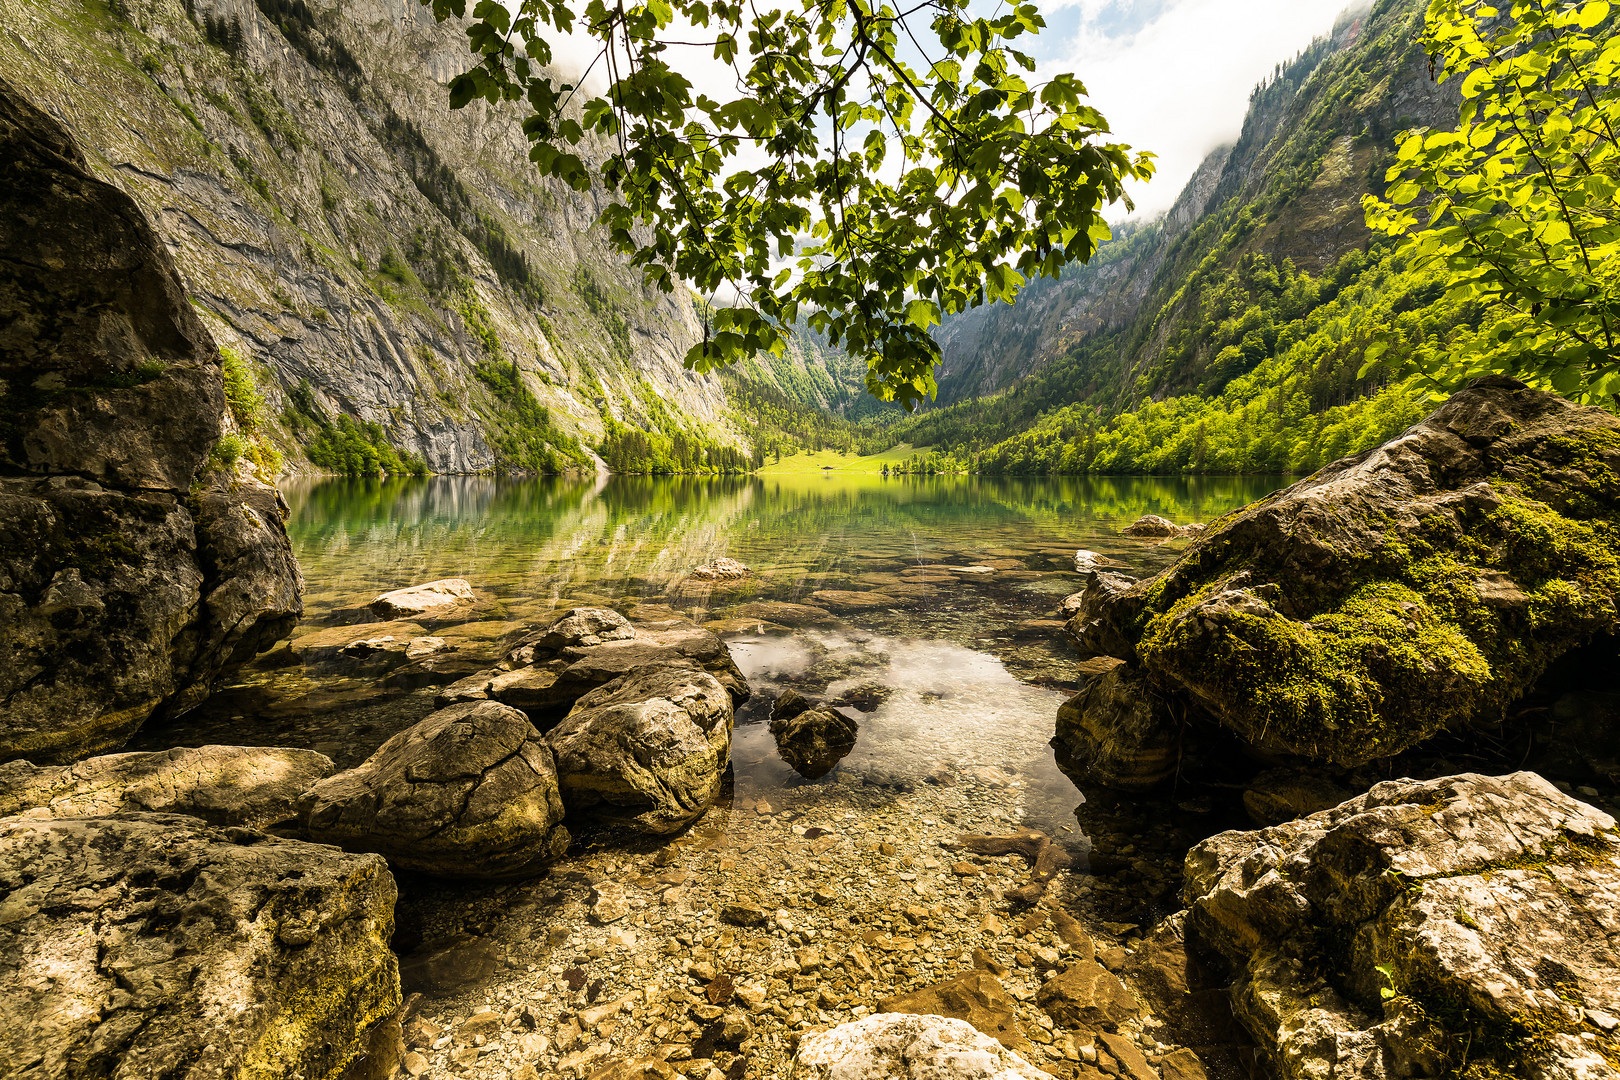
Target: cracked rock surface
{"x":648,"y":749}
{"x":471,"y":791}
{"x":156,"y":945}
{"x":1421,"y":928}
{"x":223,"y":785}
{"x":131,"y":571}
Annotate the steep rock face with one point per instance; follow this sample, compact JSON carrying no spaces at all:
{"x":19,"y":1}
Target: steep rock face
{"x":1313,"y":142}
{"x":155,"y":945}
{"x":1415,"y":587}
{"x":131,"y":571}
{"x":377,"y":255}
{"x":1458,"y":926}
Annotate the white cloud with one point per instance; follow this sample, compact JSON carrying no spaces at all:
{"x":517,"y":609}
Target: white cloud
{"x":1176,"y":80}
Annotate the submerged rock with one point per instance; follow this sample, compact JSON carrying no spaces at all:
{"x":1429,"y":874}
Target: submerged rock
{"x":1114,"y":731}
{"x":1150,"y":526}
{"x":1417,"y":587}
{"x":577,"y":628}
{"x":156,"y":945}
{"x":223,"y":785}
{"x":785,"y":614}
{"x":648,"y":749}
{"x":902,"y":1046}
{"x":721,"y":570}
{"x":976,"y":997}
{"x":814,"y":741}
{"x":417,"y":599}
{"x":1420,"y":928}
{"x":132,"y":571}
{"x":469,"y":792}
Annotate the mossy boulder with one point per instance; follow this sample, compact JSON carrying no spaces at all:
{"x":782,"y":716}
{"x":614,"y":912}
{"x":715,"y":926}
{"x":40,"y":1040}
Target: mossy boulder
{"x":134,"y":568}
{"x":1420,"y":586}
{"x":157,"y":945}
{"x":1463,"y":926}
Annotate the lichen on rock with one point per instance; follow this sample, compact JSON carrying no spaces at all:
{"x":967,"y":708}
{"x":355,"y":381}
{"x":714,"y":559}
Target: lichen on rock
{"x":1421,"y":586}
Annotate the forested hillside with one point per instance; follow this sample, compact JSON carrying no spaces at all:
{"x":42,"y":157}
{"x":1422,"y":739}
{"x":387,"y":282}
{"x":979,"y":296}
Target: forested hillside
{"x":1232,"y":334}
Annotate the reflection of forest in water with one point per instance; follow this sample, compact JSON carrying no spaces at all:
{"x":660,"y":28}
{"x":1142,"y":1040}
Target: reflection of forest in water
{"x":627,"y":535}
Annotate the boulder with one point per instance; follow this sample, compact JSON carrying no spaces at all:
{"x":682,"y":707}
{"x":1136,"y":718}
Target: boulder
{"x":1421,"y":586}
{"x":576,"y":628}
{"x":157,"y":945}
{"x":721,"y":570}
{"x":591,"y":666}
{"x":1087,"y":995}
{"x":977,"y":997}
{"x":813,"y":742}
{"x":133,"y":571}
{"x":417,"y":599}
{"x":1279,"y":795}
{"x":1420,"y":928}
{"x":902,"y":1046}
{"x":1152,"y":526}
{"x":648,"y":749}
{"x":224,"y":785}
{"x":471,"y":792}
{"x":1087,"y":561}
{"x":846,"y":602}
{"x":1113,"y":731}
{"x":788,"y":704}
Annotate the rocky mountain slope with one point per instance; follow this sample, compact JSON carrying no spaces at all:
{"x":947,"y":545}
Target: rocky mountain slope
{"x":395,"y":274}
{"x":1317,"y":137}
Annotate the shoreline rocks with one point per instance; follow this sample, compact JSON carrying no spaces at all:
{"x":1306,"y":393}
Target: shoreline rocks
{"x":648,"y":750}
{"x":158,"y":945}
{"x":222,"y":785}
{"x":1418,"y":587}
{"x":471,"y":791}
{"x":137,"y":566}
{"x":1418,"y":928}
{"x":419,"y":599}
{"x":813,"y":741}
{"x":895,"y":1046}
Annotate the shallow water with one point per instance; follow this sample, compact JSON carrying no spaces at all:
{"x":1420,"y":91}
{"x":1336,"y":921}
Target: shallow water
{"x":954,"y":677}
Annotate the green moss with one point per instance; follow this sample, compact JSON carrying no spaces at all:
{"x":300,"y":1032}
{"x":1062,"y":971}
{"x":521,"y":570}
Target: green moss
{"x":246,"y":404}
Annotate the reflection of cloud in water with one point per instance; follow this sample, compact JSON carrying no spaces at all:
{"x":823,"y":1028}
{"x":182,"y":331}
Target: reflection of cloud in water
{"x":950,"y":705}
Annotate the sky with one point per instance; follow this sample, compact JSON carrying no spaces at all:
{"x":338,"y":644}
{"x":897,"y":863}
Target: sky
{"x":1174,"y":76}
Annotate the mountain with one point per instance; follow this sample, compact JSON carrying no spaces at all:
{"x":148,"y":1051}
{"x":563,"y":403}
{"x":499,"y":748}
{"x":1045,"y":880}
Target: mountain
{"x":393,"y":275}
{"x":1241,"y":331}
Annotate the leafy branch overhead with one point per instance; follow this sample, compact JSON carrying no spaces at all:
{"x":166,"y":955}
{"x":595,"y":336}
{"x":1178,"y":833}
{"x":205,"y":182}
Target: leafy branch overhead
{"x":843,"y":183}
{"x":1517,"y":207}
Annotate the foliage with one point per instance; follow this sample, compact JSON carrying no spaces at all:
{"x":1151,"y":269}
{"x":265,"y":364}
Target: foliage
{"x":522,"y":432}
{"x":627,"y":449}
{"x":246,"y":406}
{"x":1518,"y":204}
{"x":349,"y":447}
{"x":994,"y":181}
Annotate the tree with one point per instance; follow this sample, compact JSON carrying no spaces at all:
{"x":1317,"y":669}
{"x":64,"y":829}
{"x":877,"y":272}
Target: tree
{"x":867,"y":192}
{"x":1518,"y":205}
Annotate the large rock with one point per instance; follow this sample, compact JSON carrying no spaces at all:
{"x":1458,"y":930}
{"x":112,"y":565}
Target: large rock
{"x":976,"y":997}
{"x":575,"y":628}
{"x":423,"y":598}
{"x":814,"y":741}
{"x":223,"y":785}
{"x":469,"y":792}
{"x":902,"y":1046}
{"x":1466,"y":925}
{"x":1417,"y":587}
{"x":1113,"y":730}
{"x":131,"y":572}
{"x":648,"y":749}
{"x":156,"y":945}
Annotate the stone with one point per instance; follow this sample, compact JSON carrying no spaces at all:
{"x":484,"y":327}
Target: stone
{"x":189,"y":949}
{"x":1151,"y":526}
{"x":1355,"y":939}
{"x":815,"y":741}
{"x":1087,"y":561}
{"x":418,"y":599}
{"x":579,"y":627}
{"x":1087,"y":995}
{"x":135,"y":567}
{"x":448,"y":964}
{"x":1133,"y":1063}
{"x":721,"y":570}
{"x":1279,"y":795}
{"x":788,"y":704}
{"x":785,"y":614}
{"x":647,"y":750}
{"x":1367,"y":608}
{"x":1114,"y":732}
{"x":591,"y":666}
{"x":640,"y":1068}
{"x":901,"y":1046}
{"x":1182,"y":1064}
{"x":864,"y":697}
{"x":976,"y":996}
{"x":742,"y":915}
{"x":223,"y":785}
{"x":471,"y":791}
